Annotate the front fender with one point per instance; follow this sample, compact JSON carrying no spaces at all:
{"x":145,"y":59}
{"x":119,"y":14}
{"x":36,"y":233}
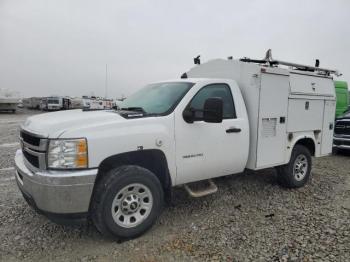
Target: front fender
{"x":135,"y":134}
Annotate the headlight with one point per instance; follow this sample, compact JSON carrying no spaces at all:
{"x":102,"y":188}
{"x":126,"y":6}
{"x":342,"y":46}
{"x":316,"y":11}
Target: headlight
{"x":67,"y":153}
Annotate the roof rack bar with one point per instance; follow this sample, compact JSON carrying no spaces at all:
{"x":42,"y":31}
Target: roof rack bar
{"x":307,"y":67}
{"x":269,"y":60}
{"x":246,"y":59}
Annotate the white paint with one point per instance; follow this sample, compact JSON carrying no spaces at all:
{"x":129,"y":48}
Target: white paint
{"x":200,"y":150}
{"x":204,"y":150}
{"x":327,"y":131}
{"x":274,"y":90}
{"x":264,"y":99}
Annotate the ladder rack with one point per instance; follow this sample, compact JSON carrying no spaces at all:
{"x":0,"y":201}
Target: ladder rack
{"x":273,"y":62}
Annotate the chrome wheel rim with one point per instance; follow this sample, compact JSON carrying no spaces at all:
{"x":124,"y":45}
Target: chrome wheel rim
{"x":132,"y":205}
{"x":300,"y":167}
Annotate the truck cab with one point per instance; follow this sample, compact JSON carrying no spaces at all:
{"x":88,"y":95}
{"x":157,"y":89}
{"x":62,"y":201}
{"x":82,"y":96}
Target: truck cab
{"x":119,"y":166}
{"x":342,"y":94}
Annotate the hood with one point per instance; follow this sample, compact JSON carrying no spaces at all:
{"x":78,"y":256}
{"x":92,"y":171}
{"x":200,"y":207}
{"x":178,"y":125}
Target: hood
{"x":56,"y":123}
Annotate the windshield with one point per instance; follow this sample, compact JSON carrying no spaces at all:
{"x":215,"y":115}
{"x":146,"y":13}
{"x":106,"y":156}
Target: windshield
{"x":157,"y":98}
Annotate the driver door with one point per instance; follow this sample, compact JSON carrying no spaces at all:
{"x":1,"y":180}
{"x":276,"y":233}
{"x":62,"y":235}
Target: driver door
{"x":205,"y":150}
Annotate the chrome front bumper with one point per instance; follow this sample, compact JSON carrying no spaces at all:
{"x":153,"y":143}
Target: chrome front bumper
{"x":341,"y":142}
{"x":56,"y":192}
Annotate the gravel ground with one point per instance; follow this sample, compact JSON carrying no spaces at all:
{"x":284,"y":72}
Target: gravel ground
{"x":250,"y":218}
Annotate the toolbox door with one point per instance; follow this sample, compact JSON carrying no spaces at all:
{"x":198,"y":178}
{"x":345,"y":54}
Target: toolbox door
{"x":311,"y":85}
{"x":273,"y":110}
{"x":328,"y":127}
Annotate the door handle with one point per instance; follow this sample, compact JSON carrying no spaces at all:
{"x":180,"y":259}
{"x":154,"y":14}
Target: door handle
{"x":233,"y":130}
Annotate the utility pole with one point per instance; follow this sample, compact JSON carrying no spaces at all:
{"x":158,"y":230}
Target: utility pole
{"x":106,"y":83}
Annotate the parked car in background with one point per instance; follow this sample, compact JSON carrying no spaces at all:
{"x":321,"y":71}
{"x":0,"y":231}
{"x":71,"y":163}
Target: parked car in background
{"x":86,"y":102}
{"x":66,"y":103}
{"x":107,"y":103}
{"x":32,"y":102}
{"x":8,"y":100}
{"x":54,"y":103}
{"x":43,"y":104}
{"x":96,"y":104}
{"x":341,"y":139}
{"x":77,"y":103}
{"x":20,"y":104}
{"x":342,"y":93}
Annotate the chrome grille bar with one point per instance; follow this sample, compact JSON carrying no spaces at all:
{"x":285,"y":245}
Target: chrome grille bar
{"x":34,"y":148}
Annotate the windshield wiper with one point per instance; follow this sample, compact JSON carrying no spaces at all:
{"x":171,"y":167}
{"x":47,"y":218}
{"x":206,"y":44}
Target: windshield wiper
{"x":137,"y":109}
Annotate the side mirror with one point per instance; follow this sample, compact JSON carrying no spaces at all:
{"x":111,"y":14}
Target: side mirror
{"x":188,"y":115}
{"x":213,"y":110}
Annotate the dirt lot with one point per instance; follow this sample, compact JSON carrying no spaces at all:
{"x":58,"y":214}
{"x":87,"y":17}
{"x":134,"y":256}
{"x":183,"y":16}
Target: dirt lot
{"x":251,"y":218}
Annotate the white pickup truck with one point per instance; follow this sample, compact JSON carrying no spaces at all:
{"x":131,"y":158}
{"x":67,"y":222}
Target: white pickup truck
{"x":117,"y":167}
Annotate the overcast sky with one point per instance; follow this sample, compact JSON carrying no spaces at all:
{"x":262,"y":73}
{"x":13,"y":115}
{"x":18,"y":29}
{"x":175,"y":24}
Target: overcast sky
{"x":61,"y":47}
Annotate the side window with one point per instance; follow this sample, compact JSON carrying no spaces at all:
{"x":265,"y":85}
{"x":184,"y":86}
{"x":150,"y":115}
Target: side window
{"x":215,"y":90}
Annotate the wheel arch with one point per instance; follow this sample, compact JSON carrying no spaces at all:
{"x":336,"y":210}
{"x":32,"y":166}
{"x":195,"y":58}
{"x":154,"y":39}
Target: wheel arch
{"x":153,"y":160}
{"x":306,"y":140}
{"x":309,"y":143}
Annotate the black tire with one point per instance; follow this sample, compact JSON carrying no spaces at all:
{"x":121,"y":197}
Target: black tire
{"x":107,"y":190}
{"x":287,"y":175}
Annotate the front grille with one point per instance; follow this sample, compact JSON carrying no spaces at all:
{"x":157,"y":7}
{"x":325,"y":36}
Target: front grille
{"x":342,"y":128}
{"x":33,"y":160}
{"x":341,"y":142}
{"x":30,"y":139}
{"x":34,"y":149}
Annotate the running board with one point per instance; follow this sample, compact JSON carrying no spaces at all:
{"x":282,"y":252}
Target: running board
{"x":201,"y":188}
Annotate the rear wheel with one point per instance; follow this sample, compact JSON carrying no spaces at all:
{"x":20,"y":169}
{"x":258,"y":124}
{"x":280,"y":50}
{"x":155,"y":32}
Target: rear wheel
{"x":127,"y":202}
{"x":297,"y":172}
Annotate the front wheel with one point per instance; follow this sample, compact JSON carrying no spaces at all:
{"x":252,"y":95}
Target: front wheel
{"x":297,"y":172}
{"x":127,"y":202}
